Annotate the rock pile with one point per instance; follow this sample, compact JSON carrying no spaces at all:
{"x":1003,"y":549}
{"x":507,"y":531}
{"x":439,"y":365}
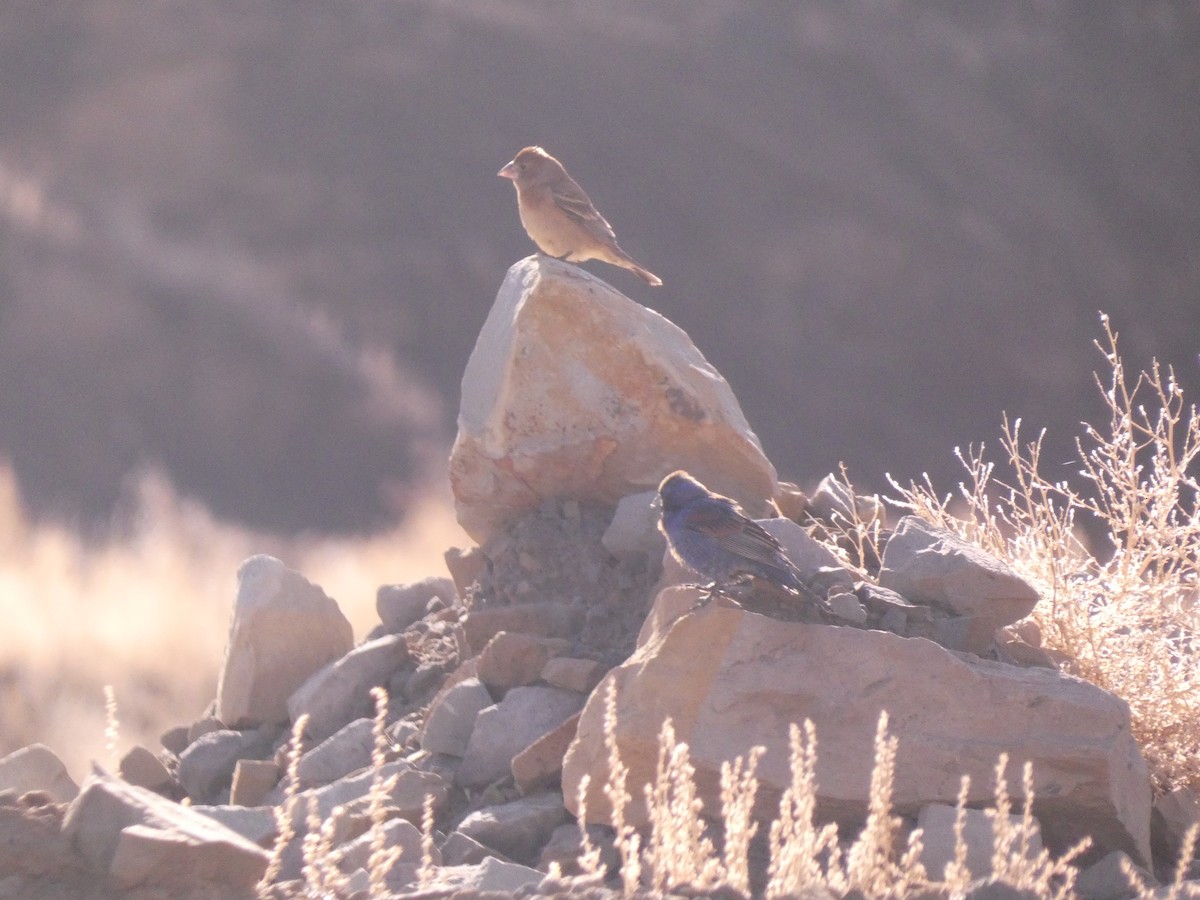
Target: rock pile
{"x":497,"y":678}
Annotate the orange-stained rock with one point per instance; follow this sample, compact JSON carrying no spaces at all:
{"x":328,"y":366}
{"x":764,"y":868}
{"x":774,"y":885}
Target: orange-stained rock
{"x":574,"y":390}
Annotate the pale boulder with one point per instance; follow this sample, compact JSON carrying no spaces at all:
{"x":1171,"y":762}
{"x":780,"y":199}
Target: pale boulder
{"x":399,"y":834}
{"x":451,"y":717}
{"x":284,"y":628}
{"x":489,"y":878}
{"x":206,"y":766}
{"x":406,"y":799}
{"x":253,"y":779}
{"x":575,"y":674}
{"x":633,"y":532}
{"x":343,"y":752}
{"x":540,"y":764}
{"x":256,"y":824}
{"x":573,"y":390}
{"x":37,"y":768}
{"x":141,"y":767}
{"x":731,"y":680}
{"x":399,"y":605}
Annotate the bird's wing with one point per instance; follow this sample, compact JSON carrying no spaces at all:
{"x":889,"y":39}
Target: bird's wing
{"x":714,"y":517}
{"x":734,"y":532}
{"x":754,"y":542}
{"x":572,"y":200}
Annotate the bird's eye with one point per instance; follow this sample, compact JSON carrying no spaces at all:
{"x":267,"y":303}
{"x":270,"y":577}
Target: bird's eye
{"x":521,"y":166}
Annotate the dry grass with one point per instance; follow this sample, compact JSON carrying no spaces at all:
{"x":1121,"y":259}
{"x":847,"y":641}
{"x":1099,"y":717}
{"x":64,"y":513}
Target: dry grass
{"x":1125,"y":614}
{"x":284,"y":812}
{"x":147,"y":610}
{"x":382,"y":856}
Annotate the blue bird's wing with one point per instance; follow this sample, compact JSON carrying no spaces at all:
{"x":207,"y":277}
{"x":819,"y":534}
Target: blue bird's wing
{"x":754,"y":543}
{"x":713,"y":518}
{"x":735,"y":533}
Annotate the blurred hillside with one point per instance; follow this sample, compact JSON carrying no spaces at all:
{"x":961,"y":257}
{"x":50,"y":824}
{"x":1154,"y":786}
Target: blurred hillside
{"x":253,"y":243}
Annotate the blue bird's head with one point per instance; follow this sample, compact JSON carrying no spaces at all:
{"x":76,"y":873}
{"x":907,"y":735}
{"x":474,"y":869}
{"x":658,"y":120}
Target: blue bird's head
{"x":679,"y":489}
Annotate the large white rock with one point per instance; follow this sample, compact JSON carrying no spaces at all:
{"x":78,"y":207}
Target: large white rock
{"x":573,"y":390}
{"x":731,"y":680}
{"x":284,"y":629}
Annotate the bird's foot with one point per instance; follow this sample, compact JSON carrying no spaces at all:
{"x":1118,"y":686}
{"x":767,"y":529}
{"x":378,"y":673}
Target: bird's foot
{"x":707,"y":592}
{"x":711,"y":590}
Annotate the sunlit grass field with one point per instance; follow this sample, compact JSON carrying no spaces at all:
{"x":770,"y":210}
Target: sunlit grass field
{"x":146,"y":610}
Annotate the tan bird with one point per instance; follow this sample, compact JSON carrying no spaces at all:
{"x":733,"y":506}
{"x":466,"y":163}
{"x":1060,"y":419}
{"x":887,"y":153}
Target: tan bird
{"x":560,"y":217}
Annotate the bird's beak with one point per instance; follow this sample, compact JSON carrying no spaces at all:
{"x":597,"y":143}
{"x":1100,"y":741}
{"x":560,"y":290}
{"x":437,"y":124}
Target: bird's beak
{"x":509,"y":171}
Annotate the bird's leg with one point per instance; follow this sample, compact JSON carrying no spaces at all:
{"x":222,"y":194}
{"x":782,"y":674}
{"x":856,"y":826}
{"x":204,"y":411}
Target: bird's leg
{"x":716,"y":589}
{"x":707,"y":592}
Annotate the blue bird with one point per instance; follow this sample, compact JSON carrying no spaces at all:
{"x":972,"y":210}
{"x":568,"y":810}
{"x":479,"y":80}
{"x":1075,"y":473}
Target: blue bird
{"x":712,"y":536}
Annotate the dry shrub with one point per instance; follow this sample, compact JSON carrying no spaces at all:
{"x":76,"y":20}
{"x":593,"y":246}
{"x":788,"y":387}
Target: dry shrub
{"x":798,"y":846}
{"x":1013,"y":860}
{"x":872,"y":867}
{"x":1126,"y":615}
{"x":806,"y":858}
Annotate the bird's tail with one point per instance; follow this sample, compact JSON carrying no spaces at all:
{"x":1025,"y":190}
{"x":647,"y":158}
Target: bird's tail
{"x":645,"y":274}
{"x":795,"y":583}
{"x":624,"y":259}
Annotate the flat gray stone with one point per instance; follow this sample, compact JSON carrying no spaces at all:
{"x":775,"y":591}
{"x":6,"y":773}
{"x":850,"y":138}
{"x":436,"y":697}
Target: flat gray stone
{"x":490,"y":875}
{"x":399,"y":605}
{"x":141,"y":767}
{"x":932,"y":566}
{"x":633,"y":532}
{"x":518,"y":829}
{"x":255,"y":823}
{"x":398,"y":833}
{"x":936,"y":822}
{"x":341,"y":691}
{"x":452,"y":716}
{"x":1105,"y":879}
{"x":407,"y":797}
{"x":504,"y":730}
{"x":460,"y":850}
{"x":206,"y":767}
{"x":338,"y":755}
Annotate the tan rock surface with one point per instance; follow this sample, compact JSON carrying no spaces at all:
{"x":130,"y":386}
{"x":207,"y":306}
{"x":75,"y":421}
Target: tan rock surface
{"x":731,"y":680}
{"x":136,"y":837}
